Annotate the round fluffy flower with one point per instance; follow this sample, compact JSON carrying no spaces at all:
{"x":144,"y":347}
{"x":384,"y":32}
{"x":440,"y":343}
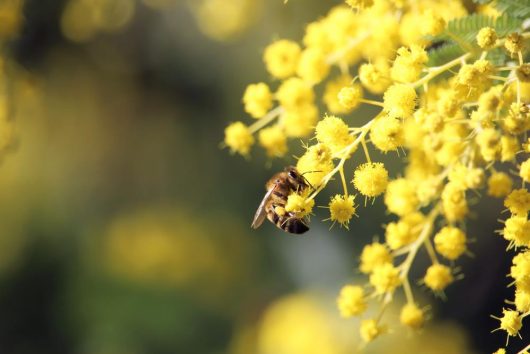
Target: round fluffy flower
{"x":524,"y":171}
{"x":514,"y":43}
{"x":386,"y":133}
{"x":518,"y":201}
{"x":350,"y":96}
{"x":408,"y":64}
{"x":450,"y":242}
{"x":405,"y":231}
{"x":300,"y":205}
{"x":454,"y":202}
{"x":370,"y":179}
{"x":351,"y":301}
{"x":412,"y":316}
{"x":274,"y":141}
{"x":315,"y":163}
{"x":400,"y":100}
{"x":517,"y":230}
{"x":370,"y":330}
{"x":375,"y":77}
{"x":486,"y":37}
{"x":374,"y":255}
{"x":438,"y":277}
{"x":333,"y":132}
{"x":299,"y":121}
{"x":342,"y":209}
{"x":281,"y":58}
{"x":295,"y":92}
{"x":499,"y":184}
{"x":257,"y":99}
{"x":312,"y":66}
{"x":520,"y":269}
{"x":522,"y":301}
{"x":400,"y":197}
{"x":238,"y":138}
{"x":331,"y":94}
{"x":511,"y":322}
{"x":385,"y":278}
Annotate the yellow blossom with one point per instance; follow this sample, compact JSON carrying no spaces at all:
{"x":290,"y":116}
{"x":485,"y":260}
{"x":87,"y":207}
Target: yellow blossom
{"x":300,"y":205}
{"x":257,"y":99}
{"x":312,"y":66}
{"x":274,"y":141}
{"x":331,"y":94}
{"x":400,"y":100}
{"x":294,"y":92}
{"x":514,"y":43}
{"x":400,"y":197}
{"x":385,"y":278}
{"x":371,"y":179}
{"x":238,"y":138}
{"x":281,"y":58}
{"x":438,"y":277}
{"x":374,"y":255}
{"x":350,"y":96}
{"x":511,"y":322}
{"x":486,"y":38}
{"x":524,"y":171}
{"x":387,"y":133}
{"x":518,"y":201}
{"x":499,"y":184}
{"x":405,"y":231}
{"x":450,"y":242}
{"x":412,"y":316}
{"x":351,"y":301}
{"x":517,"y":230}
{"x":315,"y":163}
{"x":375,"y":77}
{"x":370,"y":330}
{"x":299,"y":121}
{"x":333,"y":132}
{"x":342,"y":209}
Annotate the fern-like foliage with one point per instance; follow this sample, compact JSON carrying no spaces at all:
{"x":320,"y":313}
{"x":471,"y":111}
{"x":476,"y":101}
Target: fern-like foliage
{"x":515,"y":8}
{"x":460,"y":34}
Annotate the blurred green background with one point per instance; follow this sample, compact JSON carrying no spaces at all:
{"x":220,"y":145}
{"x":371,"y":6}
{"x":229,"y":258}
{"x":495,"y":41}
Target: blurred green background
{"x":125,"y":227}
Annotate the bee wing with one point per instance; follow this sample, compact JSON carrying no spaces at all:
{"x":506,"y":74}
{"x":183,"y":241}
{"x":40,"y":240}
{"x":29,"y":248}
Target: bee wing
{"x":261,"y":213}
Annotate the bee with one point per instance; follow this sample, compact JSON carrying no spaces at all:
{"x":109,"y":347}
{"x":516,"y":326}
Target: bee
{"x":273,"y":204}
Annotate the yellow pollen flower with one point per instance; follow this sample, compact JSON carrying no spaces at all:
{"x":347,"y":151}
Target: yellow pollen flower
{"x":385,"y":278}
{"x":517,"y":230}
{"x":351,"y":301}
{"x":524,"y":171}
{"x":405,"y":231}
{"x":274,"y":141}
{"x":312,"y":66}
{"x":281,"y":58}
{"x":499,"y":184}
{"x":333,"y":132}
{"x":294,"y":92}
{"x":315,"y":163}
{"x":257,"y":99}
{"x":520,"y":269}
{"x":486,"y":38}
{"x":371,"y":179}
{"x":375,"y":77}
{"x":370,"y":330}
{"x":511,"y":322}
{"x":522,"y":301}
{"x":518,"y":201}
{"x":300,"y":205}
{"x":387,"y":133}
{"x":400,"y":100}
{"x":438,"y":277}
{"x":450,"y":242}
{"x":408,"y":64}
{"x":342,"y":209}
{"x":238,"y":138}
{"x":299,"y":121}
{"x":454,"y":202}
{"x":331,"y":94}
{"x":514,"y":43}
{"x":374,"y":255}
{"x":412,"y":316}
{"x":350,"y":96}
{"x":401,"y":197}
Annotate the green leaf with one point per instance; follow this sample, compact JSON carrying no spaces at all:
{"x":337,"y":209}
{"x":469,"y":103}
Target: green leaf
{"x":443,"y":54}
{"x":515,"y":8}
{"x":464,"y":30}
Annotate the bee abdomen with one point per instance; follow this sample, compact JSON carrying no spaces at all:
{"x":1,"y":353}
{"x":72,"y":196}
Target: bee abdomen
{"x":294,"y":226}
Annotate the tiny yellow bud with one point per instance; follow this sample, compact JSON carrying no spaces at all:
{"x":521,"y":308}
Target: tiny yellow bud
{"x":238,"y":138}
{"x":257,"y":99}
{"x":511,"y":322}
{"x":281,"y":58}
{"x":342,"y":209}
{"x":518,"y":201}
{"x":333,"y":132}
{"x":350,"y":96}
{"x":351,"y":301}
{"x":370,"y":330}
{"x":374,"y":255}
{"x":385,"y":278}
{"x":400,"y":100}
{"x":450,"y":242}
{"x":438,"y":277}
{"x":274,"y":141}
{"x":412,"y":316}
{"x":514,"y":43}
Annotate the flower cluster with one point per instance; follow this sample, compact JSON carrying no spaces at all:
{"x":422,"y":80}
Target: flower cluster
{"x":461,"y":113}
